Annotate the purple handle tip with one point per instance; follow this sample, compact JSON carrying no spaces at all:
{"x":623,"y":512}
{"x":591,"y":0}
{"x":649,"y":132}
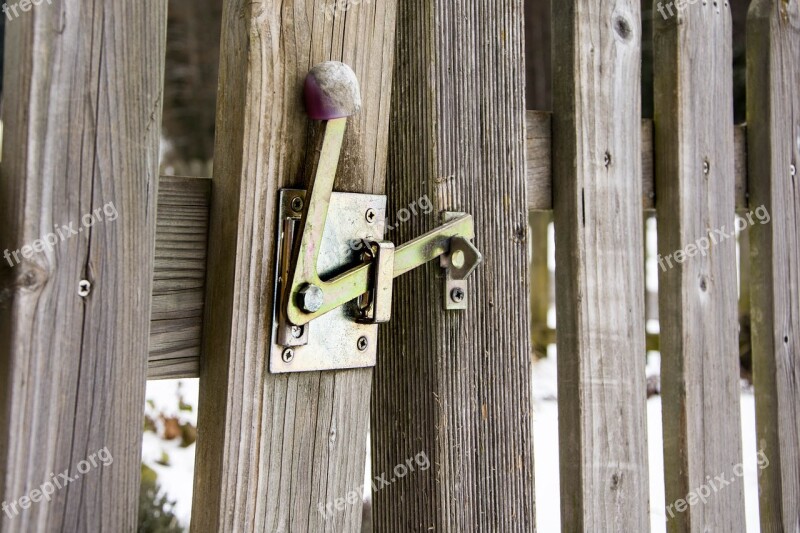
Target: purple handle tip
{"x":332,"y":91}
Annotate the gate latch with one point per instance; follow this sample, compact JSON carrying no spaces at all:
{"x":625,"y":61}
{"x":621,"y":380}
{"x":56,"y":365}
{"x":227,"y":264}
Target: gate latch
{"x":335,"y":273}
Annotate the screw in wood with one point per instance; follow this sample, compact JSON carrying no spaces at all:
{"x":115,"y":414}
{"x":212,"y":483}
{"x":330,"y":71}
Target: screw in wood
{"x":363,"y":344}
{"x":84,"y":288}
{"x":288,"y":355}
{"x":793,"y":169}
{"x":706,"y":167}
{"x":297,"y":204}
{"x":457,"y":295}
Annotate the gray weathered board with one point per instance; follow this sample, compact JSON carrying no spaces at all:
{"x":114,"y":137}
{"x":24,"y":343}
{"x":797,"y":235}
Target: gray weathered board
{"x":695,"y":187}
{"x":456,"y":385}
{"x":597,"y":203}
{"x":82,"y":114}
{"x":773,"y":115}
{"x":273,"y":448}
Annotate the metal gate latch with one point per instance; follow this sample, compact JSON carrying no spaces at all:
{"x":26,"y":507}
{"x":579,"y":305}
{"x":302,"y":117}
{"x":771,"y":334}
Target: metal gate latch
{"x":335,"y":273}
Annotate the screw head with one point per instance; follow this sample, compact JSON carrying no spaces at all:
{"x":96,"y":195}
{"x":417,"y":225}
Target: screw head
{"x":84,"y":288}
{"x":793,"y":169}
{"x":363,"y":344}
{"x":288,"y":355}
{"x":706,"y":167}
{"x":297,"y":204}
{"x":311,"y":298}
{"x":457,"y":295}
{"x":371,"y":215}
{"x":297,"y":332}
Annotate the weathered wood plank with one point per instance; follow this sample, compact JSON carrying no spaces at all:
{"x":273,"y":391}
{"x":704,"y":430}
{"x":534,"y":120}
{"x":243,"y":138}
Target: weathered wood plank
{"x":539,"y":160}
{"x":179,"y":277}
{"x":698,"y":295}
{"x":272,"y":448}
{"x":773,"y":116}
{"x":82,"y":113}
{"x":597,"y":167}
{"x":456,"y":385}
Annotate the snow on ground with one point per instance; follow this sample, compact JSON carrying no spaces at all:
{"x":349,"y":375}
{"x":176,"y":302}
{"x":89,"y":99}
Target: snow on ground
{"x":548,"y":518}
{"x":175,"y":479}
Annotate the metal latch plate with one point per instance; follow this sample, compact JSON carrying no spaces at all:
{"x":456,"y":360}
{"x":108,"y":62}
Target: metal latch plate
{"x":335,"y":340}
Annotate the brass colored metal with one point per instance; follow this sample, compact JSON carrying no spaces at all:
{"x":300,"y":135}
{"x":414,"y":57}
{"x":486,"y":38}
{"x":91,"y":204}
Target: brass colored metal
{"x":376,"y":304}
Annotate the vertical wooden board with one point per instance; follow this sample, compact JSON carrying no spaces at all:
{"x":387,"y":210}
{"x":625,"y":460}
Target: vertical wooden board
{"x":773,"y":117}
{"x":272,"y":449}
{"x":597,"y":190}
{"x":456,"y":385}
{"x":82,"y":112}
{"x":698,"y":295}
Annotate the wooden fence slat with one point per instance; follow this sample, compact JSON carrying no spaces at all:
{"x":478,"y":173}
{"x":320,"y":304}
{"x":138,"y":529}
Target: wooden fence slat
{"x":597,"y":166}
{"x":773,"y":116}
{"x":82,"y":111}
{"x":272,"y":448}
{"x":456,"y":385}
{"x":698,"y":296}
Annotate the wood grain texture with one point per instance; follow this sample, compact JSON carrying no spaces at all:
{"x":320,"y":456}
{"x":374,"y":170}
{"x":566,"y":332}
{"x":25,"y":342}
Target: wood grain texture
{"x":82,"y":112}
{"x":539,"y":163}
{"x":597,"y":167}
{"x":773,"y":116}
{"x":176,"y":335}
{"x":179,"y":277}
{"x":456,"y":385}
{"x":272,"y":448}
{"x":698,"y":296}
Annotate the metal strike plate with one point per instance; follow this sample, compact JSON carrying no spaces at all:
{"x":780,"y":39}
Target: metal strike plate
{"x":335,"y":340}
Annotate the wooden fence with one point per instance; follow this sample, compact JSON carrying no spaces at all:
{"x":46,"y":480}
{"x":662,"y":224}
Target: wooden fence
{"x":443,"y":115}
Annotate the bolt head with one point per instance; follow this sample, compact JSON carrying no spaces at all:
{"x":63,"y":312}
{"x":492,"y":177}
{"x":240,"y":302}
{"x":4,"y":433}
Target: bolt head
{"x":457,"y":295}
{"x":458,"y":259}
{"x":363,"y":344}
{"x":297,"y":204}
{"x":311,"y":298}
{"x":288,"y":355}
